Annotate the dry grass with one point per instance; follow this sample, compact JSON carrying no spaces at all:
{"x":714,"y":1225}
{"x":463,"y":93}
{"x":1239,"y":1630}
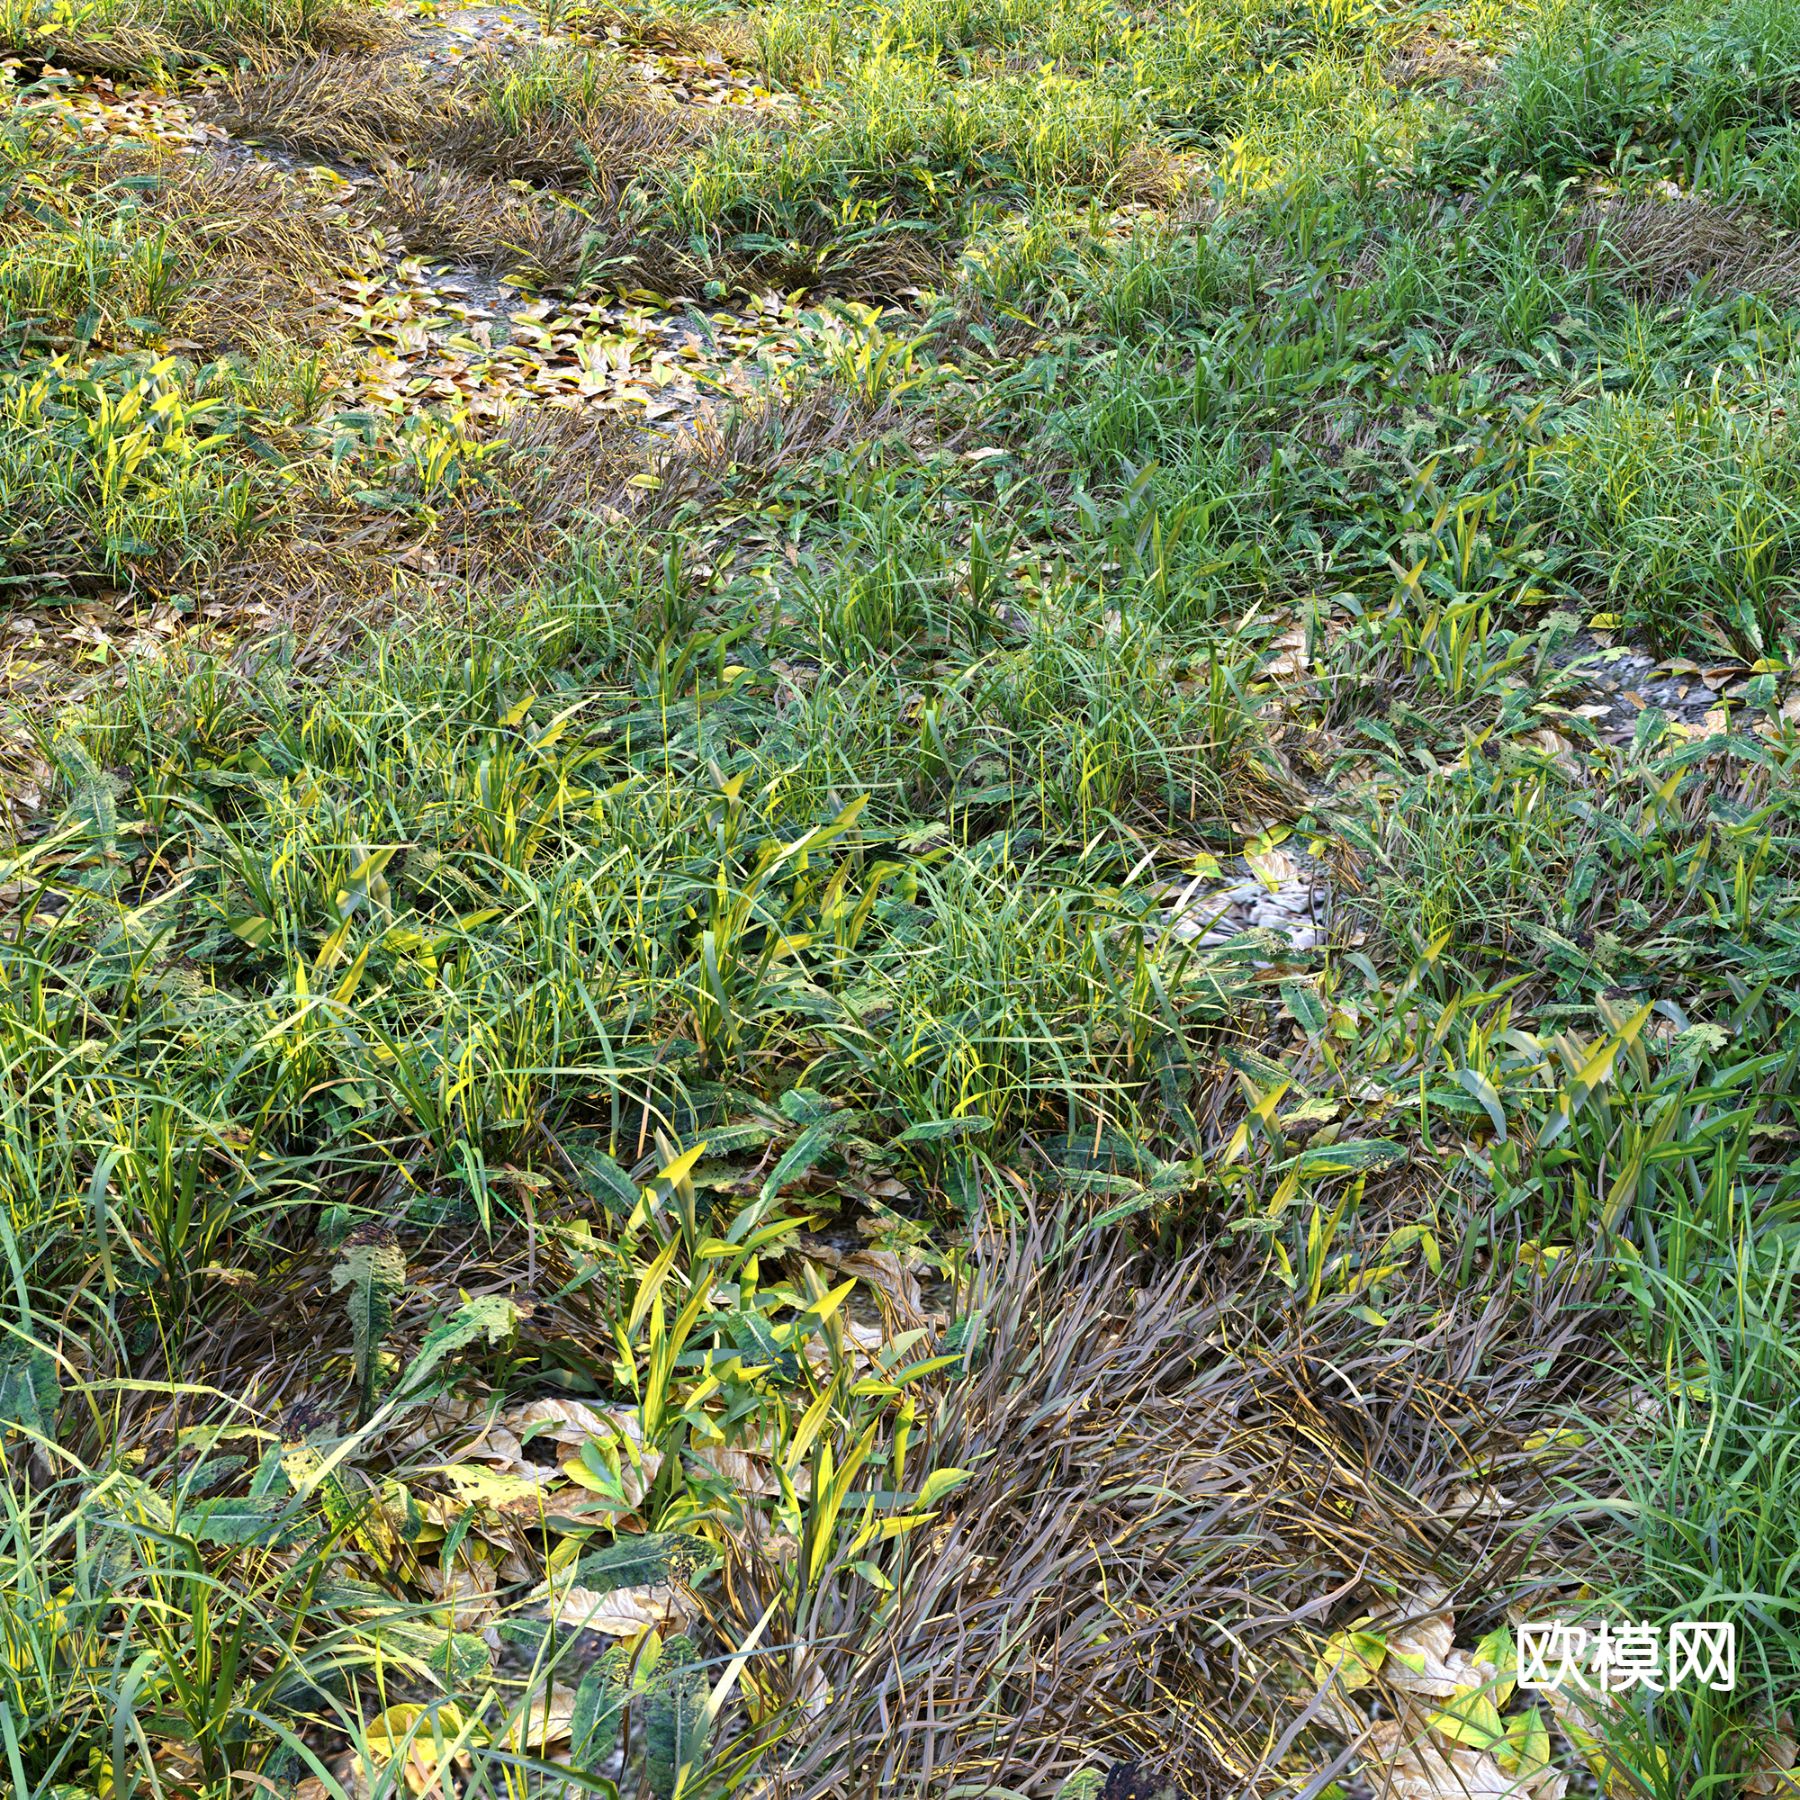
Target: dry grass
{"x":256,"y":265}
{"x":875,"y":269}
{"x":567,"y":118}
{"x":342,"y":571}
{"x":561,"y":472}
{"x":599,"y":133}
{"x":1430,"y":58}
{"x":439,"y":211}
{"x":241,"y":262}
{"x":1665,"y":248}
{"x":1175,"y":1494}
{"x":331,"y":104}
{"x":728,"y":36}
{"x":450,"y":159}
{"x":770,"y":437}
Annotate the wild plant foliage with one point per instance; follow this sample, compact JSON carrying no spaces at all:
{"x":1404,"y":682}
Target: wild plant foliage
{"x":901,"y":899}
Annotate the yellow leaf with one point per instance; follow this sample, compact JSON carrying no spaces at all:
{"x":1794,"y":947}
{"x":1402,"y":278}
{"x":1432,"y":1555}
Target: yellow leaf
{"x":422,"y":1739}
{"x":1471,"y":1718}
{"x":1352,"y":1658}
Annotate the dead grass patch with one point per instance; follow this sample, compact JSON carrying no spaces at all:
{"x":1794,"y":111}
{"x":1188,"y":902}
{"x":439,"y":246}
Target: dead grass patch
{"x":443,"y":212}
{"x":331,"y":569}
{"x":566,"y":119}
{"x":343,"y":568}
{"x":221,"y":253}
{"x":872,"y":266}
{"x":767,"y":437}
{"x":1430,"y":58}
{"x":554,"y":472}
{"x":1173,"y":1498}
{"x":1663,"y":249}
{"x":257,"y":265}
{"x":727,"y":36}
{"x":332,"y":105}
{"x":595,"y":134}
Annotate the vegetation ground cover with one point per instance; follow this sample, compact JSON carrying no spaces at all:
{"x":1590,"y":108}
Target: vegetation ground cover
{"x":903,"y":897}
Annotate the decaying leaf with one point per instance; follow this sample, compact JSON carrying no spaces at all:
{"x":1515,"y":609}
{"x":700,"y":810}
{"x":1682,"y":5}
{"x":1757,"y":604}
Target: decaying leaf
{"x":1778,"y":1769}
{"x":616,"y":1612}
{"x":466,"y":1590}
{"x":1446,"y":1737}
{"x":811,"y":1688}
{"x":1272,"y":868}
{"x":603,"y":1446}
{"x":370,"y":1273}
{"x":1413,"y":1765}
{"x":1424,"y":1659}
{"x":747,"y":1471}
{"x":425,"y":1741}
{"x":518,"y":1493}
{"x":542,"y":1723}
{"x":1289,"y":657}
{"x":1353,"y":1658}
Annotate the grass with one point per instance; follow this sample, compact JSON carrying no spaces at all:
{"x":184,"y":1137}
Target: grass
{"x":125,"y":37}
{"x":628,"y":1161}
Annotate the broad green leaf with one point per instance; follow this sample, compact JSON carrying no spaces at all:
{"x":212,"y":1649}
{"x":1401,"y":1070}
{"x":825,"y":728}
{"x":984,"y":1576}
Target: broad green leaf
{"x":1304,"y":1006}
{"x":607,"y":1182}
{"x":648,"y":1560}
{"x":489,"y":1317}
{"x":268,"y":1519}
{"x":30,"y":1392}
{"x":599,"y":1707}
{"x":804,"y":1106}
{"x":370,"y":1273}
{"x":677,"y":1725}
{"x":936,"y":1131}
{"x":1357,"y":1154}
{"x":806,"y":1150}
{"x":1474,"y":1082}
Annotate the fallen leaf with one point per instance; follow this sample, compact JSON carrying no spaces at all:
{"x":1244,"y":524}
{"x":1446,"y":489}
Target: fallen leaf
{"x":1290,"y":659}
{"x":466,"y":1589}
{"x":748,"y":1473}
{"x":517,"y":1494}
{"x":1272,"y":867}
{"x":573,"y":1424}
{"x":619,"y":1612}
{"x":1778,"y":1770}
{"x":543,"y":1722}
{"x":419,"y":1737}
{"x":1409,"y":1763}
{"x":883,"y":1270}
{"x":810,"y":1688}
